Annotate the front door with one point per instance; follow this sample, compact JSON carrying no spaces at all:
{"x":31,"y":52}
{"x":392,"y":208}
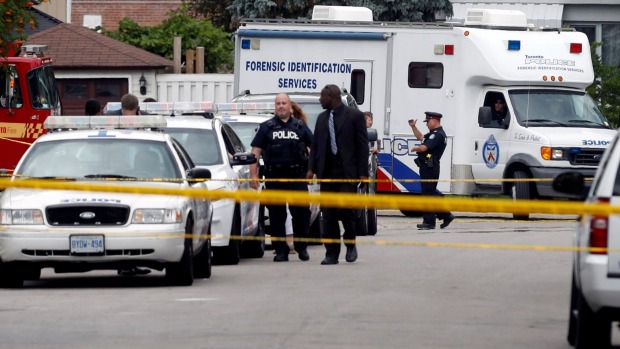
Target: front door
{"x":492,"y":141}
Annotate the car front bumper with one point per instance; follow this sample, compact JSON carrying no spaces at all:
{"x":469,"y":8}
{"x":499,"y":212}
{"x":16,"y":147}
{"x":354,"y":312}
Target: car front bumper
{"x":50,"y":247}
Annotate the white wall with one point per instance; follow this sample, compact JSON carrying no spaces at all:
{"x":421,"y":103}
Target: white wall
{"x":194,"y":87}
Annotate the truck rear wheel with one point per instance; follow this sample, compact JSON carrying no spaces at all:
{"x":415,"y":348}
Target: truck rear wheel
{"x":521,"y":191}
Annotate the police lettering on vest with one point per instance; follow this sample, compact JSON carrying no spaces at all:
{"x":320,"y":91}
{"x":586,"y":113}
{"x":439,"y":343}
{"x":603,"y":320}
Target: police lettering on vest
{"x":284,"y":145}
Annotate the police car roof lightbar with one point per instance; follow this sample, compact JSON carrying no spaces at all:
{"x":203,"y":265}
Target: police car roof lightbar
{"x":104,"y":122}
{"x":257,"y":107}
{"x":180,"y":108}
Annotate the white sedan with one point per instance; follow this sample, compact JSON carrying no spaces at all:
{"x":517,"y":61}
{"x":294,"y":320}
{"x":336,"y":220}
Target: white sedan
{"x":77,"y":231}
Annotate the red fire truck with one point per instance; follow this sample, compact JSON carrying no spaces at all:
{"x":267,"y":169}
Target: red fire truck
{"x":28,"y":95}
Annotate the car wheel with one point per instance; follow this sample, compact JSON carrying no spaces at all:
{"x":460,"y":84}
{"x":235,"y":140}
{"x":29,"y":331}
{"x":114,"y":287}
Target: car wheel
{"x":31,"y":273}
{"x":521,"y":191}
{"x":372,"y":221}
{"x":315,"y":231}
{"x":361,"y":223}
{"x":572,"y":314}
{"x":202,"y":261}
{"x":182,"y":273}
{"x":10,"y":276}
{"x":593,"y":329}
{"x":255,"y":248}
{"x":229,"y":255}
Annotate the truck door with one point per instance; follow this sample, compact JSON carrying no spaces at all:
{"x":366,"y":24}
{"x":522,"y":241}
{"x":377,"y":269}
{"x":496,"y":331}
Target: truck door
{"x":492,"y":141}
{"x":359,"y":83}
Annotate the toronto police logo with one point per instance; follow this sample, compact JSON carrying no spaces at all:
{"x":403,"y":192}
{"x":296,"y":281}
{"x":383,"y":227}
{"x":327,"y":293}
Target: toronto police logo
{"x":490,"y":152}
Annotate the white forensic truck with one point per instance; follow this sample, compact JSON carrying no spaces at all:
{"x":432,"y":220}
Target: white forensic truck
{"x":400,"y":70}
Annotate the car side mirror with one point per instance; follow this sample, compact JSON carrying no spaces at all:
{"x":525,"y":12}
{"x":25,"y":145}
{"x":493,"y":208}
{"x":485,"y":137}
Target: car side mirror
{"x":199,"y":173}
{"x":484,"y":116}
{"x":243,"y":159}
{"x":570,"y":183}
{"x":372,"y":134}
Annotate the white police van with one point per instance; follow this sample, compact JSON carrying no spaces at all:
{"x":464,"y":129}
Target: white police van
{"x":77,"y":231}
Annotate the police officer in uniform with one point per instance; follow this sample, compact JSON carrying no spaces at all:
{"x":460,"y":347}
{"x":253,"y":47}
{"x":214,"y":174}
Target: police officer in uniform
{"x":429,"y":155}
{"x":283,"y":142}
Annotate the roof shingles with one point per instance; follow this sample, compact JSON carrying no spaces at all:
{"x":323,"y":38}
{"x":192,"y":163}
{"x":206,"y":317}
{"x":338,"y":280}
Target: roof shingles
{"x":76,"y":47}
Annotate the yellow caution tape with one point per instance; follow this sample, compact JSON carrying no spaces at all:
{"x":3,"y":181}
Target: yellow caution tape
{"x":345,"y":200}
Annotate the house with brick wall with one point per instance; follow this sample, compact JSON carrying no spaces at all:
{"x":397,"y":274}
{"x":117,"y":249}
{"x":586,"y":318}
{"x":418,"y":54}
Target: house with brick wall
{"x":107,"y":13}
{"x":91,"y":65}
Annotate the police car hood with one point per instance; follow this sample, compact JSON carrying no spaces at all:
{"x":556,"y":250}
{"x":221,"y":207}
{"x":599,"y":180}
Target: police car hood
{"x":575,"y":137}
{"x":16,"y":198}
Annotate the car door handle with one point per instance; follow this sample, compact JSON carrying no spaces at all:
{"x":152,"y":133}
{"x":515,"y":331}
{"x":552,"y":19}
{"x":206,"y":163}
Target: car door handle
{"x":476,"y":146}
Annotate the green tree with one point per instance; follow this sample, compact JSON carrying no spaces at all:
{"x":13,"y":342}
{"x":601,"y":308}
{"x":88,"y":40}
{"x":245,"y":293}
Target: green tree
{"x":194,"y":32}
{"x":605,"y":88}
{"x":213,"y":10}
{"x":231,"y":11}
{"x":16,"y":15}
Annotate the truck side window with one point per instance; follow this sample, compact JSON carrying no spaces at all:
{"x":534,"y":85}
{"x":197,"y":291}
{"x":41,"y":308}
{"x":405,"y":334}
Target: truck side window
{"x":358,"y":83}
{"x":499,"y":109}
{"x":10,"y":94}
{"x":425,"y":75}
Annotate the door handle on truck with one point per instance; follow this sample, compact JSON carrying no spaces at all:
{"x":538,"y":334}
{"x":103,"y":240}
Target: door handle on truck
{"x":476,"y":145}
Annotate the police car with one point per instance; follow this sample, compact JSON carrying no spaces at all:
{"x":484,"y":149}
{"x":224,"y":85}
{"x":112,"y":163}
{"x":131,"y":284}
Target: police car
{"x":595,"y":291}
{"x":77,"y":231}
{"x":245,"y":119}
{"x":212,"y":144}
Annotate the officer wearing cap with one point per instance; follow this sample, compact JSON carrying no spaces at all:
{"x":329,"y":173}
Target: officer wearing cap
{"x":283,"y":141}
{"x":429,"y":155}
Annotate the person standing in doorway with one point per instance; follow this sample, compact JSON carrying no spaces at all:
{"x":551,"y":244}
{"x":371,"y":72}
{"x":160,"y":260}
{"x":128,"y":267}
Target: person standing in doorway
{"x":429,"y":156}
{"x":339,"y":151}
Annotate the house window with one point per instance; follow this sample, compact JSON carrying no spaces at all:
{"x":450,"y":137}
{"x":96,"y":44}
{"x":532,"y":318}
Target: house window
{"x":75,"y":90}
{"x":425,"y":75}
{"x":610,"y":53}
{"x":108,"y":89}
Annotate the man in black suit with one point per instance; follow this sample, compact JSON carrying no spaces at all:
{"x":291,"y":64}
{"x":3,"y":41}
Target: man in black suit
{"x":339,"y":151}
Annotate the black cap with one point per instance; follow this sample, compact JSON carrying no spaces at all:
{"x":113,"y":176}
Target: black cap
{"x":432,"y":115}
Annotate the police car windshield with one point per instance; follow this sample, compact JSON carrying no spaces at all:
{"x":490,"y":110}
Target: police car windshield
{"x":548,"y":108}
{"x":245,"y":131}
{"x":100,"y":158}
{"x":201,"y":144}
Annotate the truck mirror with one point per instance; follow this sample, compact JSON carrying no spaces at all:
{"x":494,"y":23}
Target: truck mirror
{"x":484,"y":116}
{"x":570,"y":183}
{"x":372,"y":134}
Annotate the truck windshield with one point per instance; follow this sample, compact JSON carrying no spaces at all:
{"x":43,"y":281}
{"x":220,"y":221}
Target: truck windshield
{"x":94,"y":158}
{"x":42,"y":85}
{"x":553,"y":108}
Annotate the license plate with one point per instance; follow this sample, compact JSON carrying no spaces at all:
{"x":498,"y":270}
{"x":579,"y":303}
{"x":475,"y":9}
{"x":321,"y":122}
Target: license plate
{"x":86,"y":244}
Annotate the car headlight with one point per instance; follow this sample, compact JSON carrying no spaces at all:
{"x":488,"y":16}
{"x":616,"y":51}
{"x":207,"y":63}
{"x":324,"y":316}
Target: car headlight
{"x":156,"y":216}
{"x":21,"y":217}
{"x":549,"y":153}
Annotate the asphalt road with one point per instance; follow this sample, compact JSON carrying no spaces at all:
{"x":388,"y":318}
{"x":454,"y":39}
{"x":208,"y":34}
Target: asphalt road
{"x":401,"y":293}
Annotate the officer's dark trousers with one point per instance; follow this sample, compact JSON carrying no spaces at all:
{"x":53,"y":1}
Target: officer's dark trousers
{"x":277,"y":216}
{"x":430,"y":188}
{"x":331,"y":216}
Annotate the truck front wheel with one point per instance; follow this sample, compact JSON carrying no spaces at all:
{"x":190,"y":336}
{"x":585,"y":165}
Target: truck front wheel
{"x":521,"y":190}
